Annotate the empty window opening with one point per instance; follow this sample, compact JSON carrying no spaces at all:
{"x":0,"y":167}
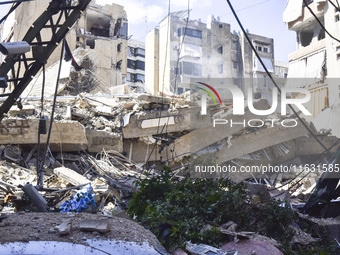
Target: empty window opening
{"x":220,"y":50}
{"x":306,"y":38}
{"x":220,"y":68}
{"x":234,"y":65}
{"x":321,"y":34}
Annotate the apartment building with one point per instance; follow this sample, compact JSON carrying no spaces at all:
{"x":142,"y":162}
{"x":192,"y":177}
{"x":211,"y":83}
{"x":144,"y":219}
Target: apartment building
{"x":135,"y":63}
{"x":315,"y":64}
{"x":100,"y":37}
{"x":180,"y":49}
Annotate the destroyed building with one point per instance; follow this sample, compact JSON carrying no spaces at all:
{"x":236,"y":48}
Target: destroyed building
{"x":98,"y":41}
{"x":195,"y":49}
{"x":106,"y":141}
{"x":315,"y":63}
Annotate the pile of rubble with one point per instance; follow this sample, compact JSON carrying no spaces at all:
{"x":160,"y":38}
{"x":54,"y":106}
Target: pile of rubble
{"x":100,"y":145}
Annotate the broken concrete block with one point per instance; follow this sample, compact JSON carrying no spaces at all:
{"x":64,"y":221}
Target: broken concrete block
{"x":70,"y":176}
{"x":24,"y":131}
{"x":249,"y":246}
{"x":64,"y":228}
{"x":101,"y":226}
{"x":100,"y":139}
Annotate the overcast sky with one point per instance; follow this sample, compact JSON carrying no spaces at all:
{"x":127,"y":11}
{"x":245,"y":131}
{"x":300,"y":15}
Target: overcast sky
{"x":262,"y":17}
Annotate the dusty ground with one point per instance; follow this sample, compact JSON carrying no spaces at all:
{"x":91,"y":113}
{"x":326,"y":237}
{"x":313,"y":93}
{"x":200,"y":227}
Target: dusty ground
{"x":26,"y":227}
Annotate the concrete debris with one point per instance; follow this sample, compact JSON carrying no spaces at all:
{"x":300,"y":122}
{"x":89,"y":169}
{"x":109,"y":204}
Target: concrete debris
{"x":64,"y":228}
{"x":101,"y":226}
{"x":109,"y":142}
{"x":70,"y":176}
{"x":250,"y":246}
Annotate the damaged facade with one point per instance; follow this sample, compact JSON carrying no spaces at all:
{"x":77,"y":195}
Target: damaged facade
{"x":98,"y":41}
{"x":106,"y":139}
{"x":315,"y":64}
{"x":209,"y":50}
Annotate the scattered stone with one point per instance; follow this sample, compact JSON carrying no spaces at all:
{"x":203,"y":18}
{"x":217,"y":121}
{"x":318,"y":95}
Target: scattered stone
{"x":64,"y":228}
{"x":101,"y":226}
{"x":52,"y":231}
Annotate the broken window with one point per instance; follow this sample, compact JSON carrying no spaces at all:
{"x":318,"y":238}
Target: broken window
{"x":220,"y":50}
{"x":123,"y":31}
{"x":136,"y":64}
{"x":306,"y":38}
{"x":189,"y":68}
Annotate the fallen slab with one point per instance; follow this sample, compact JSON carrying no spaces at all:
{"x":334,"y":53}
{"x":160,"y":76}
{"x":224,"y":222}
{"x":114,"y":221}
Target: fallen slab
{"x":25,"y":131}
{"x":206,"y":135}
{"x":70,"y":176}
{"x":259,"y":140}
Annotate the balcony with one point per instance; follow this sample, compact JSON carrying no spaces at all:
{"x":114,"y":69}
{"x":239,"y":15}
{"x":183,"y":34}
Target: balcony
{"x":304,"y":51}
{"x":306,"y":18}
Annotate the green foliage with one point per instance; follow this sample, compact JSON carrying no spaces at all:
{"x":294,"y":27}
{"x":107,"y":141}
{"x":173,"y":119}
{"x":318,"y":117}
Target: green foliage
{"x":186,"y":206}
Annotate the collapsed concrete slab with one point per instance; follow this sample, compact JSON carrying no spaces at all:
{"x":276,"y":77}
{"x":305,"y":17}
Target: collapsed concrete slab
{"x":259,"y":140}
{"x":25,"y":131}
{"x":201,"y":138}
{"x":100,"y":139}
{"x":157,"y":122}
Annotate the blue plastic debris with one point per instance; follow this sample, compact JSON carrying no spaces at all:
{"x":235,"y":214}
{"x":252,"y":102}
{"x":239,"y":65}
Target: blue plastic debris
{"x":80,"y":201}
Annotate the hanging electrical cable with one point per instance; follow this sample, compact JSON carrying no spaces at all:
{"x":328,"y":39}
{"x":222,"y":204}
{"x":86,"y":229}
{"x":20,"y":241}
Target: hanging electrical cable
{"x":271,"y":78}
{"x":40,"y":128}
{"x":336,"y":7}
{"x":40,"y":169}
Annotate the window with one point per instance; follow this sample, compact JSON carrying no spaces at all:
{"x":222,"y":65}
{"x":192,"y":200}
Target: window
{"x":140,"y":77}
{"x":220,"y":68}
{"x":189,"y":32}
{"x":234,"y":65}
{"x":338,"y":56}
{"x":259,"y":48}
{"x":220,"y":50}
{"x":265,"y":49}
{"x":220,"y":25}
{"x":123,"y":31}
{"x":135,"y":77}
{"x":337,"y":18}
{"x":189,"y":68}
{"x":140,"y":52}
{"x":136,"y":64}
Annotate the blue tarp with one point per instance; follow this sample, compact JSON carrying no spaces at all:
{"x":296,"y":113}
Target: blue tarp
{"x":81,"y":200}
